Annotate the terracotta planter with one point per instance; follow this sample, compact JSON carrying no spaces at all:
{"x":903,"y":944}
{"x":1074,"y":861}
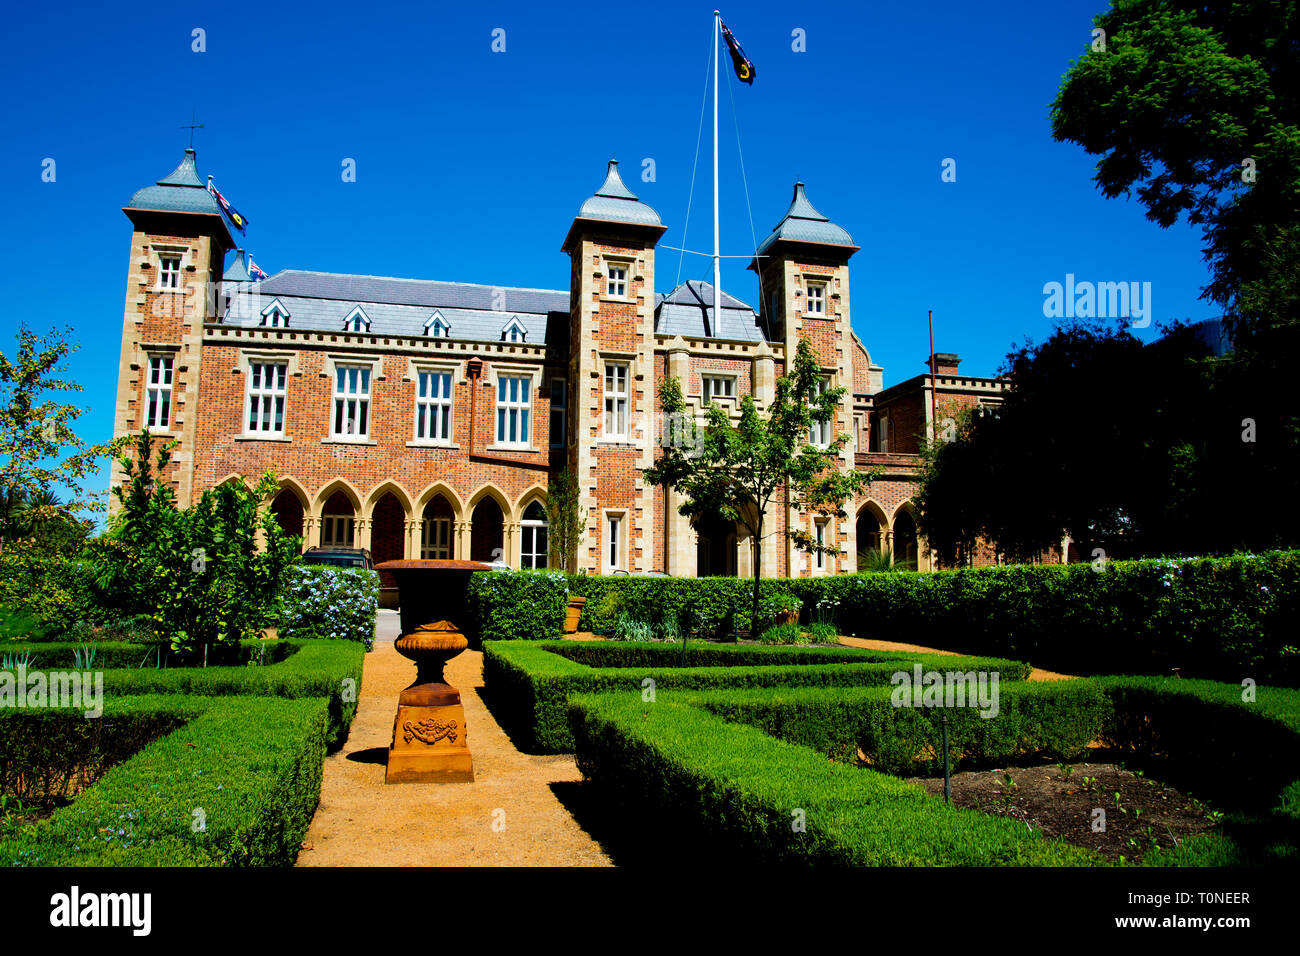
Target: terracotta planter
{"x":574,"y":614}
{"x":787,"y":617}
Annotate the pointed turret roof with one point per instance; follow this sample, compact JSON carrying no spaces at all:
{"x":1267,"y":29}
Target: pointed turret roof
{"x":181,"y":191}
{"x":238,"y":271}
{"x":803,"y":223}
{"x":614,"y":202}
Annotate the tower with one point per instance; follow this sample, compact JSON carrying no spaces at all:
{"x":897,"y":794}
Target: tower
{"x":178,"y":246}
{"x":611,"y":245}
{"x":803,"y":269}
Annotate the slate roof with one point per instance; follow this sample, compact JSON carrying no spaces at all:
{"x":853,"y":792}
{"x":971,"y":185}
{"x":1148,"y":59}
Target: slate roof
{"x":238,"y":271}
{"x":688,"y":311}
{"x":614,"y":202}
{"x":181,"y":191}
{"x":803,"y":223}
{"x":320,"y":301}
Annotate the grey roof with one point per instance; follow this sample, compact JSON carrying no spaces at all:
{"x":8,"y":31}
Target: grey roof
{"x":613,"y":201}
{"x":803,"y":223}
{"x":688,"y":311}
{"x":238,"y":271}
{"x":320,"y":301}
{"x":181,"y":191}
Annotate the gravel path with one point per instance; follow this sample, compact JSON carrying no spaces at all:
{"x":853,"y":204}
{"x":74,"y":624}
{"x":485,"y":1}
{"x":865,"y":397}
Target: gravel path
{"x":361,"y":821}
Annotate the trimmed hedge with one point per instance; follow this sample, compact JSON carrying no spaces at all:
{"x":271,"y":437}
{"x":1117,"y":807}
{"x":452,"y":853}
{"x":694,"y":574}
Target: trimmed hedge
{"x":742,"y":790}
{"x":251,"y":765}
{"x":714,"y":761}
{"x":328,"y":603}
{"x":307,"y":669}
{"x":529,"y":684}
{"x":509,"y":604}
{"x":1218,"y":618}
{"x":1056,"y":720}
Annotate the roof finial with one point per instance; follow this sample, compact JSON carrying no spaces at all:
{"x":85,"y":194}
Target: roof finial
{"x":192,"y":127}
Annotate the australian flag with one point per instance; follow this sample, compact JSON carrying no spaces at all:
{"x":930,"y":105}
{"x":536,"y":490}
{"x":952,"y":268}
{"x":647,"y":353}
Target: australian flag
{"x":254,"y":272}
{"x":236,"y":218}
{"x":744,"y":68}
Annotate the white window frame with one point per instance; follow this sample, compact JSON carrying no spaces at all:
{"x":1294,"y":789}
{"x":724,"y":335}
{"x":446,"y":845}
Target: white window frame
{"x":819,"y":433}
{"x":617,"y":402}
{"x":159,"y":390}
{"x":616,"y":287}
{"x":258,"y":397}
{"x":517,"y":410}
{"x":882,"y":424}
{"x":822,"y":297}
{"x":437,"y":326}
{"x":513,"y":332}
{"x":709,"y":381}
{"x":821,"y":527}
{"x":331,"y":528}
{"x":613,"y":541}
{"x":441,"y":409}
{"x":275,"y":315}
{"x":528,"y":530}
{"x":559,"y":410}
{"x":165,"y":274}
{"x":362,"y":396}
{"x":433,"y":531}
{"x":357,"y":317}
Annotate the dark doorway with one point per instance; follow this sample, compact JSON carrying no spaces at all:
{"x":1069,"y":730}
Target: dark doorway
{"x":486,"y":539}
{"x":715,"y":552}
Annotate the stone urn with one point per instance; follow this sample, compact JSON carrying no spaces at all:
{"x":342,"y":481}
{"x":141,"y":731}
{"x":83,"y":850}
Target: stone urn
{"x":430,"y":735}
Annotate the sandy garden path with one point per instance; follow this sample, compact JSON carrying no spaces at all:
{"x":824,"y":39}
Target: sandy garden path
{"x":361,"y":821}
{"x":1036,"y":674}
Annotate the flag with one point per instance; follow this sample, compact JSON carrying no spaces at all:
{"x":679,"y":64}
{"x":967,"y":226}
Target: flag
{"x":744,"y":69}
{"x":239,"y":221}
{"x":254,"y":272}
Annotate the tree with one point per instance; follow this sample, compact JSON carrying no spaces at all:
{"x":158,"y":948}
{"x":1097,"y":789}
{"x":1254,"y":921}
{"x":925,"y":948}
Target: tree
{"x":1101,"y":438}
{"x":198,"y":572}
{"x":40,"y":450}
{"x":564,"y":519}
{"x":1195,"y":104}
{"x":739,"y":470}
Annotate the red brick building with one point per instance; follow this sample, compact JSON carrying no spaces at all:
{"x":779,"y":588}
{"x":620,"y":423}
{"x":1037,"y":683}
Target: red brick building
{"x":423,"y":418}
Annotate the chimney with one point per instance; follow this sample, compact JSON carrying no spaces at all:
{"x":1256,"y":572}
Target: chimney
{"x":945,"y":363}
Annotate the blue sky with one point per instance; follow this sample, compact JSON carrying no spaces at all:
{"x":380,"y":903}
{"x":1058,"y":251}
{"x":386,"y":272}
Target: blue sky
{"x":471,"y":164}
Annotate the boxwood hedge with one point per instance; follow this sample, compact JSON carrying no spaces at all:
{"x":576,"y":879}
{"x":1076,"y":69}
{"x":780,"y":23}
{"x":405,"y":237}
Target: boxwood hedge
{"x":235,"y":785}
{"x":1219,"y":618}
{"x":528,"y":685}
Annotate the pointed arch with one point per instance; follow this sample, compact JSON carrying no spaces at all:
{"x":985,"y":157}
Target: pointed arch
{"x":339,"y":484}
{"x":292,"y":485}
{"x":384,"y":488}
{"x":536,"y":493}
{"x":489,"y":490}
{"x":458,"y":506}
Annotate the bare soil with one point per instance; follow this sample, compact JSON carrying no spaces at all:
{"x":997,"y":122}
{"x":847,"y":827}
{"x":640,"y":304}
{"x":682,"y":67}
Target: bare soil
{"x":1062,"y":803}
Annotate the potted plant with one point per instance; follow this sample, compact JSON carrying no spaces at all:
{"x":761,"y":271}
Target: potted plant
{"x":573,"y":613}
{"x":783,"y":608}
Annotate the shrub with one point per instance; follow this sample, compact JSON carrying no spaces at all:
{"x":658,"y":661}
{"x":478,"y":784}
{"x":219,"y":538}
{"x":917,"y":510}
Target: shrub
{"x":236,"y":785}
{"x":530,"y":684}
{"x":329,"y":603}
{"x":629,"y":629}
{"x":505,"y":605}
{"x":49,"y":592}
{"x":782,"y":634}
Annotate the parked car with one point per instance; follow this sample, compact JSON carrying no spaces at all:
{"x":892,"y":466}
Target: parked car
{"x":339,"y":557}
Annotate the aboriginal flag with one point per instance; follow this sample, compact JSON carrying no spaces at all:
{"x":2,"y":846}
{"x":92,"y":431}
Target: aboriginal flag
{"x":744,"y":69}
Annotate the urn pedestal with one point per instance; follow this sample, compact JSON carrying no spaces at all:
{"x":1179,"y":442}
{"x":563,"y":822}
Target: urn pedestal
{"x":430,"y":736}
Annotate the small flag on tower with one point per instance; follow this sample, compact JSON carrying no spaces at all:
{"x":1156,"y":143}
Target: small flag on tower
{"x":744,"y":68}
{"x":254,"y":272}
{"x":235,"y":217}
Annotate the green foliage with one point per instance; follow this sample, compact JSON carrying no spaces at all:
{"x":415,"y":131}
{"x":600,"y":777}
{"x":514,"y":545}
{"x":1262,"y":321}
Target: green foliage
{"x":738,"y":472}
{"x":199,"y":571}
{"x":319,"y":601}
{"x":782,"y":634}
{"x":509,"y":604}
{"x":38,"y":448}
{"x":54,"y":591}
{"x":744,"y":791}
{"x":251,"y":768}
{"x":565,"y":520}
{"x":533,"y":681}
{"x":628,"y":628}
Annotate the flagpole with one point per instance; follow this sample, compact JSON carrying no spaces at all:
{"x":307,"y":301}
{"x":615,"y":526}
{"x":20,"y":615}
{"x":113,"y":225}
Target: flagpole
{"x":717,"y":255}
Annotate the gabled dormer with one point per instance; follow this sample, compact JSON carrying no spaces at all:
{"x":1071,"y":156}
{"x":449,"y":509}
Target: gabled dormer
{"x":514,"y":331}
{"x":357,"y":321}
{"x":275,"y":315}
{"x":437,"y":326}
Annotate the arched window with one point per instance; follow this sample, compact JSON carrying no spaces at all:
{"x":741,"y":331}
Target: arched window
{"x":533,"y":550}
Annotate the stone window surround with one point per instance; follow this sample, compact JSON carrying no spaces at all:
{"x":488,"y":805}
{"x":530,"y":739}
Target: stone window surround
{"x":456,"y":371}
{"x":635,"y":373}
{"x":534,"y":375}
{"x":733,"y":377}
{"x":631,"y":263}
{"x":621,"y":515}
{"x":246,"y":358}
{"x":330,"y":371}
{"x":143,"y":351}
{"x":155,"y":255}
